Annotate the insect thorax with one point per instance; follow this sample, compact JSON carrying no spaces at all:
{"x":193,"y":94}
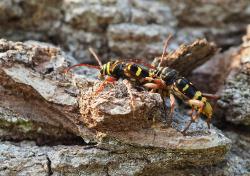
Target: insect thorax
{"x":167,"y":74}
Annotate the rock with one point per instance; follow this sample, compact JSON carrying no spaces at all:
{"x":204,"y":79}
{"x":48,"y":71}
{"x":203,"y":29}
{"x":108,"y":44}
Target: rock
{"x":234,"y":104}
{"x":137,"y":39}
{"x":92,"y":17}
{"x":238,"y":158}
{"x":94,"y":160}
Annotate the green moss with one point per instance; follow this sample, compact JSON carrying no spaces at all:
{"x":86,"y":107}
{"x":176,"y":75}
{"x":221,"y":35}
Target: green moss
{"x":24,"y":125}
{"x":20,"y":124}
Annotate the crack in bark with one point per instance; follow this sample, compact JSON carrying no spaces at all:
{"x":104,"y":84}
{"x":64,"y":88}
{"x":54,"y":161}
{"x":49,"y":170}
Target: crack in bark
{"x":50,"y":172}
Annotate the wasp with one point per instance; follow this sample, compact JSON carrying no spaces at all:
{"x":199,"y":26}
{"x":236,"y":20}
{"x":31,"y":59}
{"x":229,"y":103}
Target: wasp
{"x":132,"y":71}
{"x":168,"y":83}
{"x":163,"y":80}
{"x":173,"y":85}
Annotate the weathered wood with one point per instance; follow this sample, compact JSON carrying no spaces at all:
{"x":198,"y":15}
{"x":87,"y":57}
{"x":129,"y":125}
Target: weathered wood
{"x":35,"y":88}
{"x":234,"y":104}
{"x":188,"y":57}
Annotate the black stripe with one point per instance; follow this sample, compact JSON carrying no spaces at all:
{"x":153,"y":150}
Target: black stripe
{"x":118,"y":71}
{"x":145,"y":73}
{"x":181,"y":83}
{"x":190,"y":91}
{"x":133,"y":68}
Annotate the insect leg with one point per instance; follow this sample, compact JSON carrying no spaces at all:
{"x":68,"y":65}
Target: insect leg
{"x":151,"y":86}
{"x":129,"y":86}
{"x":154,"y":83}
{"x":108,"y":80}
{"x":172,"y":105}
{"x":211,"y":96}
{"x":198,"y":104}
{"x":190,"y":122}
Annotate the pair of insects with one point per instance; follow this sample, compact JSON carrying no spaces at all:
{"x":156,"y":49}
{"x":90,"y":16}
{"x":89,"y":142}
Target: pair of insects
{"x":163,"y":80}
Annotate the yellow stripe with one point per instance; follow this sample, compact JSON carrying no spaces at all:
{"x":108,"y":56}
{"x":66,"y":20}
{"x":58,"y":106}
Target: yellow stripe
{"x":138,"y":72}
{"x":129,"y":67}
{"x":185,"y":88}
{"x":203,"y":99}
{"x":151,"y":73}
{"x":108,"y":67}
{"x":197,"y":94}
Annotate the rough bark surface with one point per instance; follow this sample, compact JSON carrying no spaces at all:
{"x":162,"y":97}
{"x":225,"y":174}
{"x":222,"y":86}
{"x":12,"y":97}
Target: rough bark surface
{"x":93,"y":160}
{"x":121,"y":27}
{"x":38,"y":102}
{"x":187,"y":57}
{"x":234,"y":102}
{"x":35,"y":92}
{"x":210,"y":76}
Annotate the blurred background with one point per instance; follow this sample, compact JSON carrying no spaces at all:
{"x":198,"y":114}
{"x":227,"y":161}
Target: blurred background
{"x":137,"y":29}
{"x":123,"y":28}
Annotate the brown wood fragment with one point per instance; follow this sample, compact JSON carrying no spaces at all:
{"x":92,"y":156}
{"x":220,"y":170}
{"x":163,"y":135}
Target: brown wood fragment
{"x":188,"y":57}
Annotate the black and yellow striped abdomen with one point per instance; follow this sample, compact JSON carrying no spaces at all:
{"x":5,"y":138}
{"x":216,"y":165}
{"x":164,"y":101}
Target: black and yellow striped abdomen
{"x":114,"y":69}
{"x":126,"y":70}
{"x":186,"y":89}
{"x":137,"y":71}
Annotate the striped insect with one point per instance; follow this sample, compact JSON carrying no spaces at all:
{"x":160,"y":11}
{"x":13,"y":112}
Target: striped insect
{"x":173,"y":85}
{"x":130,"y":71}
{"x":163,"y":80}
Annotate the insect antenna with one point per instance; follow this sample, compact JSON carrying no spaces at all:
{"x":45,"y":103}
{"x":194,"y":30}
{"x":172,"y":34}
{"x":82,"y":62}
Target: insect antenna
{"x":164,"y":48}
{"x":81,"y":65}
{"x":87,"y":65}
{"x":91,"y":50}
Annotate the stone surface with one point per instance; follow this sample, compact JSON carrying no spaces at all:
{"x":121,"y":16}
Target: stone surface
{"x":112,"y":110}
